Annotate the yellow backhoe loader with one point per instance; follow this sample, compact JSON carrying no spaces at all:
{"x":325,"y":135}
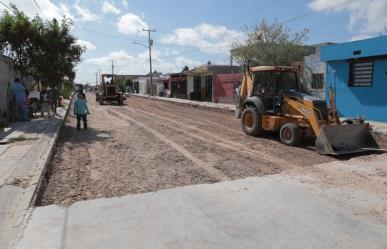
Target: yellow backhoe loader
{"x":271,"y":98}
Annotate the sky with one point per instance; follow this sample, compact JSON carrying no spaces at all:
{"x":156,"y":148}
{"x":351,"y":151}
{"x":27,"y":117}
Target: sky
{"x":194,"y":32}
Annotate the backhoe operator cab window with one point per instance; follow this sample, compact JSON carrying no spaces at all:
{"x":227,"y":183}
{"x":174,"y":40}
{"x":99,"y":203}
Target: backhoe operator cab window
{"x":271,"y":83}
{"x":270,"y":87}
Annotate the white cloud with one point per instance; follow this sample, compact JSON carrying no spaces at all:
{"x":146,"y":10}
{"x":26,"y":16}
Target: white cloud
{"x":119,"y":57}
{"x":85,"y":14}
{"x":366,"y":16}
{"x":131,"y":24}
{"x":109,"y":8}
{"x":138,"y":64}
{"x":89,"y":46}
{"x":360,"y":37}
{"x":125,"y":3}
{"x":206,"y":37}
{"x":49,"y":9}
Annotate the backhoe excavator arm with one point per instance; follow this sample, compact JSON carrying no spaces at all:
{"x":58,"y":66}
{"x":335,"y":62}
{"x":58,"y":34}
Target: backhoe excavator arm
{"x":307,"y":112}
{"x":247,"y":85}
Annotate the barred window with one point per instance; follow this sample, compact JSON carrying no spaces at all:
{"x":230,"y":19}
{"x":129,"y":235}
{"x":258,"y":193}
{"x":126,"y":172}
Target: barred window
{"x":317,"y":81}
{"x":361,"y":74}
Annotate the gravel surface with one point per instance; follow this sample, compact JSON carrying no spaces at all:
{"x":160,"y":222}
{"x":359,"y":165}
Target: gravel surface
{"x":149,"y":145}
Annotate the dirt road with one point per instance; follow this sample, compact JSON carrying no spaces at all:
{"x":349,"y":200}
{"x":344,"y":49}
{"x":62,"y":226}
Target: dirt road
{"x":149,"y":145}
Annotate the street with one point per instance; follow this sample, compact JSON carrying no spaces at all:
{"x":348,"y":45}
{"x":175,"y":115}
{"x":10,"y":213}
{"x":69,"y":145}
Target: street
{"x":149,"y":145}
{"x":155,"y":174}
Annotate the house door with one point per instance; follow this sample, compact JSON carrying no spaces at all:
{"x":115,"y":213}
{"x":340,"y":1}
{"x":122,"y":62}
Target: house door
{"x":208,"y":88}
{"x":197,"y":88}
{"x":136,"y":88}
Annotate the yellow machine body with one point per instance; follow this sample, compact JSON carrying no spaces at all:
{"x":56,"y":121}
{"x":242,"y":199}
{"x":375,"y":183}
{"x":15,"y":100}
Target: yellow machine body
{"x":274,"y":107}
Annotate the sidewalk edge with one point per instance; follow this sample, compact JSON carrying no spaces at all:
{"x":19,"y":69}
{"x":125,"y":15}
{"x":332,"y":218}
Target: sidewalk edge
{"x":50,"y":155}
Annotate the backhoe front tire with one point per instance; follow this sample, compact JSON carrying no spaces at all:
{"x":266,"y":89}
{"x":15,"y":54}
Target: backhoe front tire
{"x":290,"y":134}
{"x":251,"y":121}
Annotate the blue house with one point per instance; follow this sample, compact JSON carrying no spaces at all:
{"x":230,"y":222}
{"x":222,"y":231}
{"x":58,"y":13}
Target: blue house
{"x":357,"y":71}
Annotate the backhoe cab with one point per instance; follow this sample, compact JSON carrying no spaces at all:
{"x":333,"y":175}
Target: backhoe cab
{"x":272,"y":99}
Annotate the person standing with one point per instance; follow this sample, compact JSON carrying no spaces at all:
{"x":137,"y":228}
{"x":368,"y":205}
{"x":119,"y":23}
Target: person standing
{"x":19,"y":92}
{"x":46,"y":105}
{"x":80,"y":111}
{"x":55,"y":99}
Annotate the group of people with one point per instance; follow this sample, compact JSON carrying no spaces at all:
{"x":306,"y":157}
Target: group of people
{"x":47,"y":101}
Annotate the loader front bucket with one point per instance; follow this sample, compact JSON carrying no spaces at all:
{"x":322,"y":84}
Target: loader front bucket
{"x":345,"y":139}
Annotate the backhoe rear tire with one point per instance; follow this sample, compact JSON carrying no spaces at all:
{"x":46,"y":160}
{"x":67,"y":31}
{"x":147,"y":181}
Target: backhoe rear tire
{"x":251,"y":121}
{"x":290,"y":134}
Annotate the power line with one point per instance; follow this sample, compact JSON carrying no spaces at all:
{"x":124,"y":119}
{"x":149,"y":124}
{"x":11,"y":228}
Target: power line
{"x":331,"y":7}
{"x":255,"y":11}
{"x":334,"y":6}
{"x":37,"y":5}
{"x":8,"y":7}
{"x":106,"y":34}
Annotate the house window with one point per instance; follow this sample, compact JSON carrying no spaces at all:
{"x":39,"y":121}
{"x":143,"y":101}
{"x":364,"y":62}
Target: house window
{"x":317,"y":81}
{"x":361,"y":74}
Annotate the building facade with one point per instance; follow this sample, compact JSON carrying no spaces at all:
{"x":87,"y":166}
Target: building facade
{"x":7,"y":75}
{"x":224,"y":87}
{"x":201,"y":81}
{"x":178,"y":85}
{"x":357,"y":71}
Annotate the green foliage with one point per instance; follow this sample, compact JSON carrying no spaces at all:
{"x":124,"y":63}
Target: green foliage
{"x":45,"y":51}
{"x":271,"y":44}
{"x":67,"y":89}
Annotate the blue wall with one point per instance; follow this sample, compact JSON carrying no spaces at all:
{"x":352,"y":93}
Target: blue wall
{"x":368,"y":102}
{"x":344,"y":51}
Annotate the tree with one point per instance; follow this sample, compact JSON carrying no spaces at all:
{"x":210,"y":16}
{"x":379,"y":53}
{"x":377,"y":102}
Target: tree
{"x":45,"y":51}
{"x":15,"y":34}
{"x":185,"y":68}
{"x":58,"y":53}
{"x":271,"y":44}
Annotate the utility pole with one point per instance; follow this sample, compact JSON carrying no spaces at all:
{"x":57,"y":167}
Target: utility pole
{"x":99,"y":76}
{"x":96,"y":78}
{"x":112,"y":66}
{"x":150,"y":44}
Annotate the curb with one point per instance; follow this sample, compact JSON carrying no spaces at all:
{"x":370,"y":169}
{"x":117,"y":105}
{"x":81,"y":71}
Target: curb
{"x":190,"y":103}
{"x":50,"y":155}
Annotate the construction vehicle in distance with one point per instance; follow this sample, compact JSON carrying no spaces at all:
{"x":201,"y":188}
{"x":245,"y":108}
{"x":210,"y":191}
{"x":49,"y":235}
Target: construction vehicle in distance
{"x":272,"y":99}
{"x":109,"y":90}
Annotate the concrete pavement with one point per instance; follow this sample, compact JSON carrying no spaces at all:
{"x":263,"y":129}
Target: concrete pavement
{"x":264,"y":212}
{"x":22,"y":164}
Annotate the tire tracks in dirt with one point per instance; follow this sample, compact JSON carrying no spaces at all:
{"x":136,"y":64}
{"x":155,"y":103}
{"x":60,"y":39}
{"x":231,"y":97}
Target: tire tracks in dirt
{"x":217,"y":174}
{"x":219,"y":141}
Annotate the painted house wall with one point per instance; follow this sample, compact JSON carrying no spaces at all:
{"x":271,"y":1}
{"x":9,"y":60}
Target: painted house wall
{"x":368,"y":102}
{"x":7,"y":76}
{"x":224,"y":87}
{"x":313,"y":65}
{"x":344,"y":51}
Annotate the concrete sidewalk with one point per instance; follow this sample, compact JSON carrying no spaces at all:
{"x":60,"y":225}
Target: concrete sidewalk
{"x":26,"y":149}
{"x":206,"y":105}
{"x":271,"y":212}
